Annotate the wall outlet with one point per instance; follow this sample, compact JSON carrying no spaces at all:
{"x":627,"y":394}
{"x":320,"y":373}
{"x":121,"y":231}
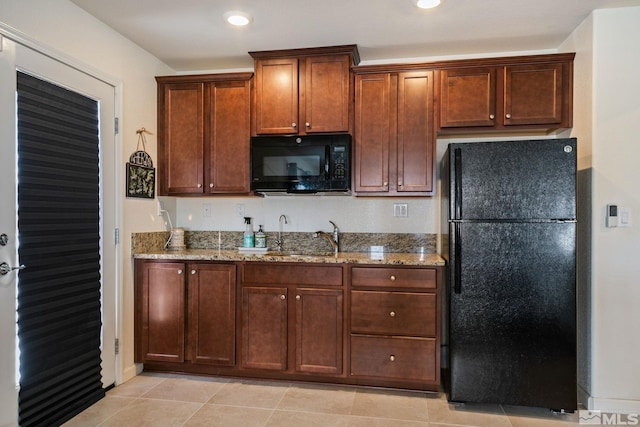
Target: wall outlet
{"x":206,"y":210}
{"x":160,"y":208}
{"x":400,"y":210}
{"x":240,"y":209}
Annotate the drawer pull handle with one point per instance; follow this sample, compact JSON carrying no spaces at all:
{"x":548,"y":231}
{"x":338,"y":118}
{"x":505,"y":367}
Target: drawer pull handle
{"x":393,"y":278}
{"x":392,"y":358}
{"x":392,"y":314}
{"x":283,"y":297}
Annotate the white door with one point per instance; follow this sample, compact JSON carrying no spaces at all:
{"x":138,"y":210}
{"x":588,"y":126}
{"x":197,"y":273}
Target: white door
{"x":13,"y":57}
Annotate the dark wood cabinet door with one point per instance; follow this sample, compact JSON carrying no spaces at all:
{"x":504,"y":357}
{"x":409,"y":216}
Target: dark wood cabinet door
{"x":212,"y":314}
{"x":468,"y":97}
{"x":416,"y":148}
{"x":182,"y":136}
{"x":372,"y":132}
{"x":276,"y":96}
{"x":319,"y":330}
{"x":326,"y":94}
{"x":163,"y":311}
{"x":533,"y":94}
{"x":264,"y":328}
{"x":229,"y":137}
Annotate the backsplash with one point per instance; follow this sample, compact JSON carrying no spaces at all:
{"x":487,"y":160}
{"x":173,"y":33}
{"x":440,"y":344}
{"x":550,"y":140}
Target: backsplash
{"x":298,"y":241}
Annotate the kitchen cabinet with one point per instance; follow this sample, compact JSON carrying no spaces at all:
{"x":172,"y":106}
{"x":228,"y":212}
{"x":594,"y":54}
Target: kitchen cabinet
{"x":203,"y":134}
{"x":520,"y":93}
{"x":292,"y":318}
{"x":160,"y":320}
{"x":185,"y":312}
{"x":303,"y":91}
{"x":395,"y":326}
{"x":212,"y":314}
{"x":394,"y":133}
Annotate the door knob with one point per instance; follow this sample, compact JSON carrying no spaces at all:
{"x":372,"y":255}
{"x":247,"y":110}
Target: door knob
{"x":6,"y":268}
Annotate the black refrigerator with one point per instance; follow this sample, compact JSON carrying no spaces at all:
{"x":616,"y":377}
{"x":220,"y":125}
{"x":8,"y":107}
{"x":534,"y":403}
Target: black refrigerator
{"x":511,"y":288}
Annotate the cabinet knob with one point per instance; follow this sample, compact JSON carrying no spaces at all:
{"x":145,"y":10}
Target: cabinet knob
{"x":492,"y":116}
{"x":193,"y":271}
{"x":199,"y":185}
{"x":293,"y":125}
{"x":385,"y":183}
{"x":298,"y":297}
{"x":508,"y":116}
{"x":179,"y":271}
{"x":392,"y":314}
{"x":392,"y":358}
{"x":307,"y":124}
{"x":392,"y":278}
{"x":283,"y":297}
{"x":211,"y":185}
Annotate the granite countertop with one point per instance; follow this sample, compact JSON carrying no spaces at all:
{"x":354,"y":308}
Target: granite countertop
{"x":424,"y":259}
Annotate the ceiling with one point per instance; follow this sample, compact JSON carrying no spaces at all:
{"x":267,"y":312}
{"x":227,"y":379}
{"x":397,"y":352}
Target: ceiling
{"x":191,"y":35}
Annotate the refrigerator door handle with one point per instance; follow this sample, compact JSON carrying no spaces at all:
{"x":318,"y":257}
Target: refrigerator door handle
{"x":457,"y":262}
{"x":458,"y":183}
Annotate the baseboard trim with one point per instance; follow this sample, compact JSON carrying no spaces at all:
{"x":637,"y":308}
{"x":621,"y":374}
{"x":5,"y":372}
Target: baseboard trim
{"x":620,"y":406}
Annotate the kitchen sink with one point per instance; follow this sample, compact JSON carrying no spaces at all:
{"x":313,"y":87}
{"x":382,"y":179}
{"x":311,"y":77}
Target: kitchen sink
{"x":300,"y":254}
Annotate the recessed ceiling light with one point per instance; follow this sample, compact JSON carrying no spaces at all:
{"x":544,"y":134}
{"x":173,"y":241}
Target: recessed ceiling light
{"x":237,"y":18}
{"x":428,"y":4}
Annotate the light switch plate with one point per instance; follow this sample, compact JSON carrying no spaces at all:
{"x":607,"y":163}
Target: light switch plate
{"x":400,"y":210}
{"x":624,"y":219}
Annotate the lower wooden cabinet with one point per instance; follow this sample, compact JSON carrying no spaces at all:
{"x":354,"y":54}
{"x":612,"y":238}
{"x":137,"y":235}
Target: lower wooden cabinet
{"x":212,"y":314}
{"x":395,"y":326}
{"x":297,"y":327}
{"x":160,"y":318}
{"x":185,"y":313}
{"x":375,"y":325}
{"x":394,"y":358}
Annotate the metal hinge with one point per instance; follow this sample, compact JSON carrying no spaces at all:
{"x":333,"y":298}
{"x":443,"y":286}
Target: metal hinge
{"x":116,"y":125}
{"x":116,"y":236}
{"x":117,"y":345}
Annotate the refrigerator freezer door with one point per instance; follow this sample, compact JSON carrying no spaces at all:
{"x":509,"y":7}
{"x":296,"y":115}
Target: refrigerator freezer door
{"x":513,"y":180}
{"x":512,"y":336}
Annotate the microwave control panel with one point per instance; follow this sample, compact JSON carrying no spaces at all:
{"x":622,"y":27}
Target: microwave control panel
{"x":340,"y":163}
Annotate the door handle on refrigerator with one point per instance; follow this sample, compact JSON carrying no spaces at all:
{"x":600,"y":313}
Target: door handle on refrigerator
{"x":457,"y":264}
{"x":458,"y":183}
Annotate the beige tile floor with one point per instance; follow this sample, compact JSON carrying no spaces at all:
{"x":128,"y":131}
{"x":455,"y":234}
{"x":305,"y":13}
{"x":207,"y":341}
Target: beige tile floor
{"x":160,"y":400}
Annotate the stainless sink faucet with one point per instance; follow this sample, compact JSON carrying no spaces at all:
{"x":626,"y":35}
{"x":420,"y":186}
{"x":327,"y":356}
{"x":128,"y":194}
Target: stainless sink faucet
{"x":334,"y":239}
{"x":282,"y":218}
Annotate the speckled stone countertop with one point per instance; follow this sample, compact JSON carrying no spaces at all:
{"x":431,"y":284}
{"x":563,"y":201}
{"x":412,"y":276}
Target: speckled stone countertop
{"x":423,"y":259}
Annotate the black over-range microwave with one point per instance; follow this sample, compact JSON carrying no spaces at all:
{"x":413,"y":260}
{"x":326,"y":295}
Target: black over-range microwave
{"x":301,"y":164}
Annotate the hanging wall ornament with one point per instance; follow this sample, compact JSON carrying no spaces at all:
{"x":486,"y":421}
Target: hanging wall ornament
{"x":141,"y":175}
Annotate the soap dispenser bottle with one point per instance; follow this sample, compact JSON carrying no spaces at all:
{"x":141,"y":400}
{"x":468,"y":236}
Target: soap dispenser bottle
{"x":261,"y":238}
{"x":248,"y":240}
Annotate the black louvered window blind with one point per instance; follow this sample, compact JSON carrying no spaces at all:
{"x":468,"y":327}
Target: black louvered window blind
{"x":59,"y":317}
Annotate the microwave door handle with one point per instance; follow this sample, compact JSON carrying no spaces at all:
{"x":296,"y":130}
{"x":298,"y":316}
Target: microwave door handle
{"x":327,"y":154}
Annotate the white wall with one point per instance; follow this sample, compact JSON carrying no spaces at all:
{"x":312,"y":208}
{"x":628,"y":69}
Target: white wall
{"x":61,"y":26}
{"x":312,"y":213}
{"x":607,"y":122}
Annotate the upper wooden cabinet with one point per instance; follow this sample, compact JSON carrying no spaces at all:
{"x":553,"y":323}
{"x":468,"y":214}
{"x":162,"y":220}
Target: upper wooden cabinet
{"x":204,"y":134}
{"x":394,"y":134}
{"x":303,"y":91}
{"x":534,"y":92}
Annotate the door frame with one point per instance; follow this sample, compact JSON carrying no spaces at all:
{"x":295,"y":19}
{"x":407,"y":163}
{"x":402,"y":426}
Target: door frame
{"x":11,"y":35}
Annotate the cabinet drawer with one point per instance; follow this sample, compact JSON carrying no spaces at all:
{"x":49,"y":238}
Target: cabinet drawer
{"x":393,"y":313}
{"x":394,"y":277}
{"x":392,"y":357}
{"x":301,"y":275}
